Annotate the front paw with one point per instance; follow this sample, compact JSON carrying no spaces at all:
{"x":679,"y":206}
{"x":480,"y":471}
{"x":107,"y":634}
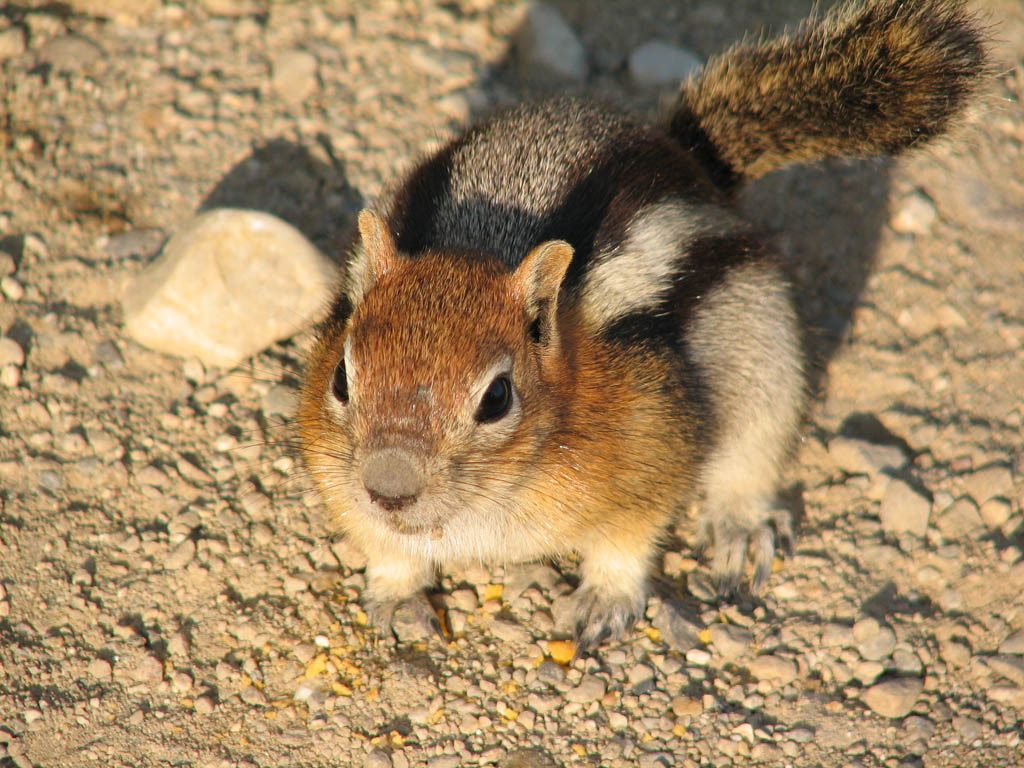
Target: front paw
{"x":736,"y":545}
{"x":601,"y":616}
{"x":409,"y":620}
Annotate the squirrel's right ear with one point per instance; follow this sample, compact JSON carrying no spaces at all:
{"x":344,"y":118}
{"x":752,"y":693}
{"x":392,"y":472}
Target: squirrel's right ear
{"x":538,"y":279}
{"x":379,"y":254}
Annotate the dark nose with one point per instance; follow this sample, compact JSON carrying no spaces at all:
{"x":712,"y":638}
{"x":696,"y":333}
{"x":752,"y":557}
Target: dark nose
{"x":392,"y":478}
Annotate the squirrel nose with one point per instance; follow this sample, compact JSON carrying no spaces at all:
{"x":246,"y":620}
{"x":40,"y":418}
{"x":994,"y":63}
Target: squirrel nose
{"x":392,"y":478}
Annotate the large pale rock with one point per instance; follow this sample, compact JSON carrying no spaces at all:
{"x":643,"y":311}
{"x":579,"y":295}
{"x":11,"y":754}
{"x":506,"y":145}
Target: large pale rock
{"x":904,"y":510}
{"x":230,"y":283}
{"x":894,"y":698}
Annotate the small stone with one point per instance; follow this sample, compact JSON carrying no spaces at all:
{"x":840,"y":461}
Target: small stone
{"x":280,"y":401}
{"x":510,"y":631}
{"x":227,"y":285}
{"x":801,"y":735}
{"x":204,"y":705}
{"x":877,"y":644}
{"x":107,"y":354}
{"x":955,"y":654}
{"x":12,"y":43}
{"x":115,"y":9}
{"x":10,"y":376}
{"x":377,"y":758}
{"x":11,"y":288}
{"x":548,"y":49}
{"x":678,"y":631}
{"x":591,"y":688}
{"x":914,"y":214}
{"x":989,"y":482}
{"x":868,"y":672}
{"x":771,"y":667}
{"x":995,"y":512}
{"x":904,"y":510}
{"x":149,"y":670}
{"x":893,"y":698}
{"x":101,"y":669}
{"x":142,"y":243}
{"x":968,"y":728}
{"x":154,"y":476}
{"x":640,"y":673}
{"x":860,"y":457}
{"x":348,"y":554}
{"x":181,"y":555}
{"x":11,"y":352}
{"x":550,"y":673}
{"x":657,"y":63}
{"x":730,"y":640}
{"x":233,"y":7}
{"x":1014,"y":644}
{"x":960,"y":521}
{"x":686,"y":706}
{"x":1010,"y":667}
{"x":444,"y":761}
{"x":294,"y":75}
{"x":69,"y":53}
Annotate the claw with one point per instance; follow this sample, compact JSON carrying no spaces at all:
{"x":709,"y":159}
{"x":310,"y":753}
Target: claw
{"x":601,"y":617}
{"x":405,"y":621}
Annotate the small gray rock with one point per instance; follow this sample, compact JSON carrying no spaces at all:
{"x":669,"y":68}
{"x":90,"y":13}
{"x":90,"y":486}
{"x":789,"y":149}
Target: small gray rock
{"x":657,"y":63}
{"x":1014,"y":644}
{"x":69,"y":53}
{"x":677,"y":629}
{"x":1010,"y":667}
{"x":143,"y":242}
{"x":914,"y":214}
{"x":775,"y":668}
{"x":181,"y":555}
{"x":968,"y":728}
{"x":294,"y":76}
{"x":230,"y":283}
{"x":591,"y":688}
{"x":377,"y":758}
{"x":730,"y":640}
{"x":904,"y":510}
{"x":894,"y":698}
{"x":549,"y":49}
{"x":550,"y":673}
{"x":859,"y":457}
{"x":989,"y":482}
{"x":11,"y":352}
{"x":510,"y":632}
{"x":962,"y":520}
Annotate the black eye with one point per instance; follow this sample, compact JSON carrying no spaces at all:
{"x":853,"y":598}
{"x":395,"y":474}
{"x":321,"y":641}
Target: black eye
{"x":339,"y":384}
{"x":496,"y":400}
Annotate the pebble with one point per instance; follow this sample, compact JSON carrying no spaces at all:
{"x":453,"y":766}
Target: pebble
{"x":995,"y":512}
{"x":771,"y":667}
{"x":1010,"y":667}
{"x":101,"y":669}
{"x":510,"y":631}
{"x":904,"y":510}
{"x":444,"y":761}
{"x":729,"y":640}
{"x":960,"y":521}
{"x":10,"y":376}
{"x":860,"y":457}
{"x":657,"y":63}
{"x":914,"y":214}
{"x":232,"y":7}
{"x":549,"y":51}
{"x":294,"y":75}
{"x":11,"y":352}
{"x":684,"y":706}
{"x":204,"y":705}
{"x":677,"y":630}
{"x":591,"y":688}
{"x":377,"y":758}
{"x":968,"y":728}
{"x":154,"y":476}
{"x":874,"y":642}
{"x":989,"y":482}
{"x":181,"y":555}
{"x":149,"y":670}
{"x":281,"y":400}
{"x":143,"y":243}
{"x":12,"y":43}
{"x":69,"y":53}
{"x":227,"y":285}
{"x":11,"y":288}
{"x":893,"y":698}
{"x":1014,"y":644}
{"x":551,"y":673}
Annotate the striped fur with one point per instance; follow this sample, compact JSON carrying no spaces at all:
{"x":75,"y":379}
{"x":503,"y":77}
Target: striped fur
{"x":592,"y":269}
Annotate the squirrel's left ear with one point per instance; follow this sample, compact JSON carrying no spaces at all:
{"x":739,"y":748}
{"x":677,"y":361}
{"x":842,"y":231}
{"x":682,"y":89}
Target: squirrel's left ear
{"x":377,"y":256}
{"x":538,"y":280}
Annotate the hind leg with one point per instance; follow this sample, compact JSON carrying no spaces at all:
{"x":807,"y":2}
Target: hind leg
{"x":745,"y":343}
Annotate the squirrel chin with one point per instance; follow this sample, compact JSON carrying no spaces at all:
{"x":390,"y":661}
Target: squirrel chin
{"x":434,"y":531}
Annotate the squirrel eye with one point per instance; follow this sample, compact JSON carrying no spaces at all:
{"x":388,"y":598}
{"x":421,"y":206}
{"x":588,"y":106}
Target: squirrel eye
{"x":339,"y":384}
{"x":496,"y":400}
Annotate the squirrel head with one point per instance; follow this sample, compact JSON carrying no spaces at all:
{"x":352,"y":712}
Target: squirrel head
{"x":437,"y":389}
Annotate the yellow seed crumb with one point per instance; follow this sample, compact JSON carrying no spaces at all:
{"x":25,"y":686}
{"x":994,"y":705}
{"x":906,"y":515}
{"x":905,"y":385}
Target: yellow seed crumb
{"x":509,"y":714}
{"x":340,"y":689}
{"x":562,"y":651}
{"x":777,"y":564}
{"x":373,"y":694}
{"x":316,"y":667}
{"x":579,"y":749}
{"x":510,"y":687}
{"x":680,"y":731}
{"x":493,"y":592}
{"x":246,"y":680}
{"x":705,"y":636}
{"x":362,"y":619}
{"x":187,"y":703}
{"x":270,"y":714}
{"x":653,"y":634}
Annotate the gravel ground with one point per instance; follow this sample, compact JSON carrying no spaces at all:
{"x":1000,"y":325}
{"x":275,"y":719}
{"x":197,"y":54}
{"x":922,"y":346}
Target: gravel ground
{"x":169,"y":592}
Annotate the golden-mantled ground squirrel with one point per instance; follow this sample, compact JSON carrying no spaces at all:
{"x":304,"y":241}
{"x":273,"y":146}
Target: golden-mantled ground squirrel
{"x":558,"y":330}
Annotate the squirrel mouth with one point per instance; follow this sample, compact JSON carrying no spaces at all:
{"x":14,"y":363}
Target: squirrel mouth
{"x":409,"y":528}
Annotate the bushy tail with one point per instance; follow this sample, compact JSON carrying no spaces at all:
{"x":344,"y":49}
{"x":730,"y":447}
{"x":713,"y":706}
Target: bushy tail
{"x":871,"y":77}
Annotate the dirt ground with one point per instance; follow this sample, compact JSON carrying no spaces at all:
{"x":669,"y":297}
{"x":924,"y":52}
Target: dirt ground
{"x":169,"y":592}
